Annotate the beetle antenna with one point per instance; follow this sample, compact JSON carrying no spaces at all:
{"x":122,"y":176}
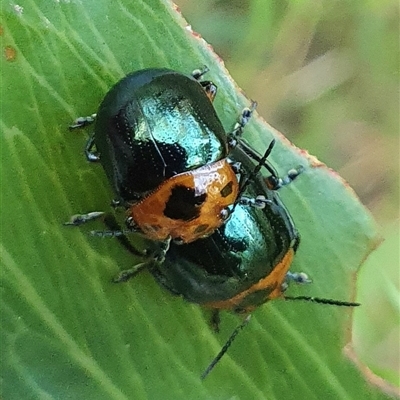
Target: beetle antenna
{"x":249,"y":178}
{"x":225,"y":346}
{"x":257,"y":168}
{"x":112,"y":224}
{"x":254,"y":155}
{"x":319,"y":300}
{"x":236,"y":331}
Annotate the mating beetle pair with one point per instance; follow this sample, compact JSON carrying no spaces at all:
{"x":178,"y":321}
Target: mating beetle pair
{"x":219,"y":233}
{"x":164,"y":151}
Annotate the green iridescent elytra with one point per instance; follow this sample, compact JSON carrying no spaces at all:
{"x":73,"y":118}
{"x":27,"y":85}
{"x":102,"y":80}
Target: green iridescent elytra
{"x":152,"y":125}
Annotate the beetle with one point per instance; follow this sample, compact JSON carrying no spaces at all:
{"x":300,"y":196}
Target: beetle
{"x":164,"y":151}
{"x":243,"y":264}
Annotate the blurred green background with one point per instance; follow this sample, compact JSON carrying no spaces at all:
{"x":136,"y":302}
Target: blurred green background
{"x":326,"y":74}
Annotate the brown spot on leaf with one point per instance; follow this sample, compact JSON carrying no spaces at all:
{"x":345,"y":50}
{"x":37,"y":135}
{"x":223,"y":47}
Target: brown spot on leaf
{"x":10,"y":53}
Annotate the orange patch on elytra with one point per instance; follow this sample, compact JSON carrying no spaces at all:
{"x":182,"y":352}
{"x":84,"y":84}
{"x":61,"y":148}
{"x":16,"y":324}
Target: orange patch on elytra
{"x":211,"y":180}
{"x":272,"y":281}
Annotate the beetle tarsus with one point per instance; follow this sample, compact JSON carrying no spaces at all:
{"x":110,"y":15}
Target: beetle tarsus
{"x":79,"y":219}
{"x":90,"y":155}
{"x":215,"y":320}
{"x":127,"y":274}
{"x":82,"y":122}
{"x":235,"y":136}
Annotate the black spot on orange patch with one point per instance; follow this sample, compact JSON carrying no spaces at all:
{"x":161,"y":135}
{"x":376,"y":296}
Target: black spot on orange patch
{"x":184,"y":204}
{"x":201,"y":228}
{"x":227,"y":189}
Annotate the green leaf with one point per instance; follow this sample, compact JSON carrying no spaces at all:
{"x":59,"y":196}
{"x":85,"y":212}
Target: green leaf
{"x":376,"y":326}
{"x":67,"y":332}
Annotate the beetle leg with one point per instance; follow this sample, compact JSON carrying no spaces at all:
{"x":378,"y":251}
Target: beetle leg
{"x":162,"y":247}
{"x":235,"y":136}
{"x":81,"y":122}
{"x":153,"y":256}
{"x":199,"y":72}
{"x":209,"y":87}
{"x":79,"y":219}
{"x":90,"y":155}
{"x":114,"y":229}
{"x":236,"y":166}
{"x":215,"y":320}
{"x":111,"y":233}
{"x":275,"y":183}
{"x":120,"y":234}
{"x":297,"y":277}
{"x":132,"y":226}
{"x":258,"y":202}
{"x":119,"y":203}
{"x":127,"y":274}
